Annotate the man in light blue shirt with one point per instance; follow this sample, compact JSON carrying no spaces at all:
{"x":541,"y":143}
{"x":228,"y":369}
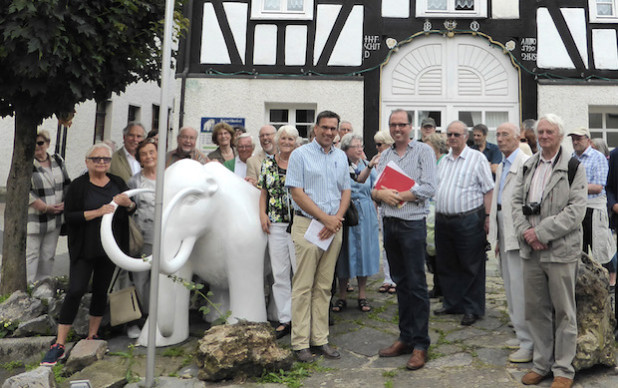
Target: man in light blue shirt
{"x":317,"y":177}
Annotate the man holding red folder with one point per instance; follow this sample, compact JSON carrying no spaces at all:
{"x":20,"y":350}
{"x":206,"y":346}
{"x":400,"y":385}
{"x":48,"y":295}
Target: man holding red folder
{"x":405,"y":209}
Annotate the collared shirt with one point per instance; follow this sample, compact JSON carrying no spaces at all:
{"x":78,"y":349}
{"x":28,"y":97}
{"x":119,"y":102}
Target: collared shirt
{"x":240,"y":167}
{"x":538,"y":182}
{"x":491,"y":152}
{"x":322,"y":176}
{"x":597,"y":168}
{"x":177,"y":154}
{"x":419,"y":163}
{"x":462,"y":182}
{"x":506,"y":166}
{"x":133,"y":163}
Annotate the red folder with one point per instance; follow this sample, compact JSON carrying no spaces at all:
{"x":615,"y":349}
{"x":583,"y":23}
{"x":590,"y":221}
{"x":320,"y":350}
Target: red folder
{"x":395,"y":179}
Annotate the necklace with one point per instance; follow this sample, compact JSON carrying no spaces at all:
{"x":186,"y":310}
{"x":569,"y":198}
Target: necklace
{"x":281,"y":159}
{"x":44,"y":160}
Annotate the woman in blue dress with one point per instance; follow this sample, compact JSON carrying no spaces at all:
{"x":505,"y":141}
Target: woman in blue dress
{"x":360,"y":256}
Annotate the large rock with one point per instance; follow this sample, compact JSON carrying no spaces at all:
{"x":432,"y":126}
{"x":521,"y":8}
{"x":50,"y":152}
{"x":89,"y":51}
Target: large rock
{"x":42,"y":325}
{"x":41,"y":377}
{"x":27,"y":350}
{"x":44,"y":289}
{"x":84,"y":353}
{"x":595,"y":318}
{"x":240,"y":350}
{"x":82,"y":320}
{"x":19,"y":307}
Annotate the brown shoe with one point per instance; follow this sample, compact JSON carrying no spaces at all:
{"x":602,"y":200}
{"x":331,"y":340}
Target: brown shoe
{"x":417,"y":361}
{"x":532,"y":378}
{"x":396,"y":349}
{"x":561,"y":382}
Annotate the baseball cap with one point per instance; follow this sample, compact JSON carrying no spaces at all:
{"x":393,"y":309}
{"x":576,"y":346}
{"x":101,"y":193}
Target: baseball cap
{"x":428,"y":121}
{"x":580,"y":131}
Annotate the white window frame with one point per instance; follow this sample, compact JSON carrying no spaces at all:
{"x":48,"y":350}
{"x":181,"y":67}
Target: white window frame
{"x":480,"y":11}
{"x":603,"y":110}
{"x":258,"y":12}
{"x":291,"y":108}
{"x":596,"y":18}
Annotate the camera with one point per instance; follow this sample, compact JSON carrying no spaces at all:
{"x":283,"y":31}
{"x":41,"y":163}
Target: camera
{"x":531,"y":209}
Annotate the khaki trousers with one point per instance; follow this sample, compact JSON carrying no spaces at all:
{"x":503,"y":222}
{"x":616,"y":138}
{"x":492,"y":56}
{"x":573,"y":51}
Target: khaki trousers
{"x":311,"y":287}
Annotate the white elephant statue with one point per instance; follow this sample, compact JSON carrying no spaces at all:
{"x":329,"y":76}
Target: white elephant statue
{"x":211,"y":228}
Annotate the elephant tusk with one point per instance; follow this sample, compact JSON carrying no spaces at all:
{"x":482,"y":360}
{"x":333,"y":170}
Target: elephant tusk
{"x":111,"y":247}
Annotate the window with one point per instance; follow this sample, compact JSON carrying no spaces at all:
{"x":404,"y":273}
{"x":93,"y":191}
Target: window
{"x":282,"y":9}
{"x":603,"y":123}
{"x":155,"y":116}
{"x":301,"y":116}
{"x":603,"y":11}
{"x":101,"y":120}
{"x":134,"y":113}
{"x":451,"y":8}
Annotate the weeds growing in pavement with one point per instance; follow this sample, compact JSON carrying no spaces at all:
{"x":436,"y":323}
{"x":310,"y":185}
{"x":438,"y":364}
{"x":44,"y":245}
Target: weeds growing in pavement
{"x":294,"y":377}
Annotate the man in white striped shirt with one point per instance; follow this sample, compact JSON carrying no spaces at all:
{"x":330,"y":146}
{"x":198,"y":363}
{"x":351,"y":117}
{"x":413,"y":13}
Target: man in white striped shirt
{"x":405,"y":234}
{"x":463,"y":201}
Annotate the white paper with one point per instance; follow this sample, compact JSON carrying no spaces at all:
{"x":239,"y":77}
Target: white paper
{"x":313,"y":235}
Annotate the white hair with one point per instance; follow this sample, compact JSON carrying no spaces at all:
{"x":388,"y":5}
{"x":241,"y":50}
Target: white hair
{"x":99,"y":145}
{"x":553,"y":119}
{"x":289,"y":130}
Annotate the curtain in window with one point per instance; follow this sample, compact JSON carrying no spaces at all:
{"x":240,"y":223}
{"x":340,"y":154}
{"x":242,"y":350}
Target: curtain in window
{"x":605,"y":7}
{"x":464,"y":5}
{"x":436,"y":5}
{"x":295,"y":5}
{"x":272,"y":5}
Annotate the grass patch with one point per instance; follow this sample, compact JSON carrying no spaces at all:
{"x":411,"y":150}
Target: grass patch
{"x":389,"y":373}
{"x":388,"y":384}
{"x":130,"y":359}
{"x":58,"y":372}
{"x":173,"y":352}
{"x":294,"y":377}
{"x":11,"y":365}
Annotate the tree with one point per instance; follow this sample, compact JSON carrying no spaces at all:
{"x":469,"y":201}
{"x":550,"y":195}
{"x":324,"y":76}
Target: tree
{"x":55,"y":54}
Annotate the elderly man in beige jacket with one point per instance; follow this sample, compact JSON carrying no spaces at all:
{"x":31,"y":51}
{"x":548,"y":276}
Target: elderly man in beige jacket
{"x":549,"y":204}
{"x":254,"y":163}
{"x":504,"y":239}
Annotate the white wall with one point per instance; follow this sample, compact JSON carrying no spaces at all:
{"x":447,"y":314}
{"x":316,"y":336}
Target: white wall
{"x":246,"y":98}
{"x":81,"y":133}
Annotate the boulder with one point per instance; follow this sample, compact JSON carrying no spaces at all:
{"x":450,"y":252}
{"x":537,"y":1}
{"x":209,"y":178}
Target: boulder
{"x":19,"y":307}
{"x":241,"y":350}
{"x":42,"y":325}
{"x":44,"y":289}
{"x":595,"y":318}
{"x":28,"y":350}
{"x":41,"y":377}
{"x":84,"y":353}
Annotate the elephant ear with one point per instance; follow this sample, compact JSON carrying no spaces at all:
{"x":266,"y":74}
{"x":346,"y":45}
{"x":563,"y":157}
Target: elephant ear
{"x":211,"y":186}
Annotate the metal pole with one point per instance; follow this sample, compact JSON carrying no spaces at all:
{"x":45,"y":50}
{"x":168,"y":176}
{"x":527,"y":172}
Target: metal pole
{"x":156,"y":254}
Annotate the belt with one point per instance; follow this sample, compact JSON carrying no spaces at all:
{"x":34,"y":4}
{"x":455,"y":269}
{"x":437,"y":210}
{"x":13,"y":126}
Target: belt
{"x":460,"y":215}
{"x":299,"y":213}
{"x":499,"y":207}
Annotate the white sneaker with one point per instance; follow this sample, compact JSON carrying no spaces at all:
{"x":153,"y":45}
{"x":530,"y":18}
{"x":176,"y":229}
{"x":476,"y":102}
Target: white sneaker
{"x":522,"y":355}
{"x":512,"y":343}
{"x":133,"y":332}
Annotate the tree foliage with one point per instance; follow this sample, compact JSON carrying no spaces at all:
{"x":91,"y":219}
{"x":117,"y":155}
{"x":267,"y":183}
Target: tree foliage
{"x":55,"y":54}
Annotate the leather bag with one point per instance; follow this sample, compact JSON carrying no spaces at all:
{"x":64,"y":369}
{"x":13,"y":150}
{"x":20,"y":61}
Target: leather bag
{"x":123,"y":304}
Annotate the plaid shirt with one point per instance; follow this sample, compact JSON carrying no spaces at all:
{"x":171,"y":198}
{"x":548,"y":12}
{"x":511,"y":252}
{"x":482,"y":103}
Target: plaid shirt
{"x":597,"y":168}
{"x":48,"y":185}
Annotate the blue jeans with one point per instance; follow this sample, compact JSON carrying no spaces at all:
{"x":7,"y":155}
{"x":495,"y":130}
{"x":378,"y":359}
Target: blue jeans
{"x":460,"y":248}
{"x":404,"y":242}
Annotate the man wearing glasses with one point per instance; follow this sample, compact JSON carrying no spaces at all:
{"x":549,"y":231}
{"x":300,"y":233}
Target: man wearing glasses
{"x":463,"y":202}
{"x":404,"y":237}
{"x":124,"y":163}
{"x":267,"y":142}
{"x":318,"y":179}
{"x":187,"y":139}
{"x":238,"y":165}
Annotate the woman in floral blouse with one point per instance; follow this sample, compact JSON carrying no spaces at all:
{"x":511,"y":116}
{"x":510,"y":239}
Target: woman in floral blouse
{"x":275,"y":215}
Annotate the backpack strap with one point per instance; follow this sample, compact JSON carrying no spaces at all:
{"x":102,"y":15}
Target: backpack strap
{"x":572,"y":169}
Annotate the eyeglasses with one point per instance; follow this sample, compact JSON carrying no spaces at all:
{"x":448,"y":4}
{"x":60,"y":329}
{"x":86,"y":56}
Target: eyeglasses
{"x":99,"y":159}
{"x":183,"y":137}
{"x":40,"y":142}
{"x":451,"y":134}
{"x":244,"y":147}
{"x":398,"y":125}
{"x":378,"y":144}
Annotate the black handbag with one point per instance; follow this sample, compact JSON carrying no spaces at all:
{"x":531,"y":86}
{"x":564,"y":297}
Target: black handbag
{"x":351,"y":215}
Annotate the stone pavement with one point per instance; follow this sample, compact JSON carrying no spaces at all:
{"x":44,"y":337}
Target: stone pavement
{"x":459,"y":356}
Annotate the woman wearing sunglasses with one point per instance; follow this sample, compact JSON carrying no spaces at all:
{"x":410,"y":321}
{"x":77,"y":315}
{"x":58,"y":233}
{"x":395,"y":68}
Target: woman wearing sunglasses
{"x":89,"y":198}
{"x":46,"y":203}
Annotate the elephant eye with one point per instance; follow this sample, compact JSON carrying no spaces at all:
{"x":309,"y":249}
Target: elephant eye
{"x":191,"y":199}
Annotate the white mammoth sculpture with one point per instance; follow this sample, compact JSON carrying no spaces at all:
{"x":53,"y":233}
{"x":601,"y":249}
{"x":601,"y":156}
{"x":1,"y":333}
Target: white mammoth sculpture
{"x":211,"y":228}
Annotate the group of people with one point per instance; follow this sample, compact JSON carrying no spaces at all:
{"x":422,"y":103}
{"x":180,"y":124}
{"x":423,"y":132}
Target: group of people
{"x":531,"y":208}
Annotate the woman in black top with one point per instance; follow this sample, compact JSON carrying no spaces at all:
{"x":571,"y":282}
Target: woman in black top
{"x":87,"y":200}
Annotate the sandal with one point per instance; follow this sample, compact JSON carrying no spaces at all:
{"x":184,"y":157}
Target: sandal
{"x":363,"y":305}
{"x":339,"y":306}
{"x":384,"y":288}
{"x":392,"y":289}
{"x":283,"y":329}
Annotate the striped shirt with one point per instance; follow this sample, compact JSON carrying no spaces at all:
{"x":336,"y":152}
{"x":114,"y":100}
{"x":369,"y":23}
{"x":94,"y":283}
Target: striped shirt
{"x":597,"y":168}
{"x":462,"y":182}
{"x":419,"y":163}
{"x":322,"y":176}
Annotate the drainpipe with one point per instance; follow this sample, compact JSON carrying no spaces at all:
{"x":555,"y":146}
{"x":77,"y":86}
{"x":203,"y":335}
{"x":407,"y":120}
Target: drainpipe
{"x":185,"y":70}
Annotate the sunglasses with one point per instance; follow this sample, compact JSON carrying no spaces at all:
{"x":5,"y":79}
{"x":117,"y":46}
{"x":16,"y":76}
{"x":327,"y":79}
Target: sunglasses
{"x":451,"y":134}
{"x":99,"y":159}
{"x":40,"y":142}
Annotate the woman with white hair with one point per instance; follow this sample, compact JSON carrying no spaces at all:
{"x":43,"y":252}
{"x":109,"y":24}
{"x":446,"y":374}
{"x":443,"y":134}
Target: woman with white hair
{"x":275,"y":215}
{"x":88,"y":199}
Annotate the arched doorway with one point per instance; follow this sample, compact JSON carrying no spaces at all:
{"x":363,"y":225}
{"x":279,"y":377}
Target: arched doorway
{"x":461,"y":78}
